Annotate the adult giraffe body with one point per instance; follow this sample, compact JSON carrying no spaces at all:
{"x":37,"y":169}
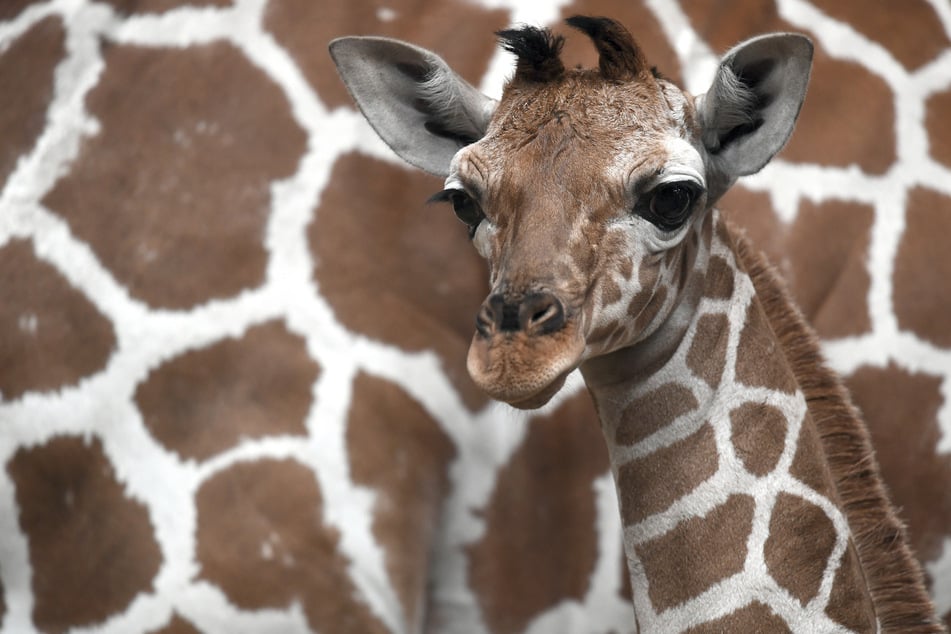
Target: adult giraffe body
{"x":748,"y":491}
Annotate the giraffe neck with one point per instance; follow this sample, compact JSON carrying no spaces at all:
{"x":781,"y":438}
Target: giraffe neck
{"x":731,"y":515}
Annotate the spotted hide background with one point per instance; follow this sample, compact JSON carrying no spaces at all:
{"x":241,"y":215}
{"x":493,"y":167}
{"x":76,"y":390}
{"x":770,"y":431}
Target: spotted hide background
{"x":232,"y":336}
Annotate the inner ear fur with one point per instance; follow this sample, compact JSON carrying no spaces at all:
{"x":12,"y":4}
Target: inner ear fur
{"x":418,"y":105}
{"x":750,"y":110}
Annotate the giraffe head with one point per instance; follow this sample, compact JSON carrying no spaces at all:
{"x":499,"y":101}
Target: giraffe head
{"x":585,"y":190}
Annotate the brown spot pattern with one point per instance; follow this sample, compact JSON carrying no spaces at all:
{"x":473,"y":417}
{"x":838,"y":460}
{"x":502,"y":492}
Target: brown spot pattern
{"x":719,"y":282}
{"x":681,"y":266}
{"x":160,"y":6}
{"x":759,"y":361}
{"x":758,"y":435}
{"x":177,"y":625}
{"x":650,"y":312}
{"x":922,"y":268}
{"x":651,"y":484}
{"x":843,"y":96}
{"x":801,"y":538}
{"x":722,"y":232}
{"x":540,"y":549}
{"x":396,"y":448}
{"x":828,"y":246}
{"x":610,"y":292}
{"x":11,"y":8}
{"x":848,"y":604}
{"x":144,"y":4}
{"x":173,"y":194}
{"x":626,"y":269}
{"x":26,"y":88}
{"x":605,"y":332}
{"x":206,"y":401}
{"x":913,"y":34}
{"x":649,"y":300}
{"x":653,"y":411}
{"x":679,"y":564}
{"x":707,"y":353}
{"x":754,"y":213}
{"x":938,"y":122}
{"x":724,"y":24}
{"x":457,"y":31}
{"x":70,"y":504}
{"x":429,"y":296}
{"x":754,"y":617}
{"x":52,"y":335}
{"x":822,"y":255}
{"x":807,"y":466}
{"x":901,"y":412}
{"x":262,"y":540}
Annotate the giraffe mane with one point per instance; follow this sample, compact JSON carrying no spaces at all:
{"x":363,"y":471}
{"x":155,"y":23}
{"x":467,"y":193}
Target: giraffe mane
{"x":894,"y":576}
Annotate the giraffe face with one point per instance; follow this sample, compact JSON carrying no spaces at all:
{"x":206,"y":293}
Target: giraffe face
{"x":585,"y":190}
{"x":585,"y":197}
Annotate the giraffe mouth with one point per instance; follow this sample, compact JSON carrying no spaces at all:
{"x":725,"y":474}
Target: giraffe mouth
{"x":521,"y":370}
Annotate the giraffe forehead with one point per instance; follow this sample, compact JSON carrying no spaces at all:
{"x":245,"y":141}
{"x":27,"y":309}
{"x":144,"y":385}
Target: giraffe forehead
{"x":589,"y":99}
{"x":580,"y":119}
{"x":580,"y":133}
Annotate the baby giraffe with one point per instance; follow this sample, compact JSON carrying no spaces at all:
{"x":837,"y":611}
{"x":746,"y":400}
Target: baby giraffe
{"x":748,"y":490}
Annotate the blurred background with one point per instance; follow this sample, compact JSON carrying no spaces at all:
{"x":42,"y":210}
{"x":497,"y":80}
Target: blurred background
{"x":232,"y":335}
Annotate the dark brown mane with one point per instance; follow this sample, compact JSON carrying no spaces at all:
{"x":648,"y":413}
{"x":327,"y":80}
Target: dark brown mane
{"x":894,"y":577}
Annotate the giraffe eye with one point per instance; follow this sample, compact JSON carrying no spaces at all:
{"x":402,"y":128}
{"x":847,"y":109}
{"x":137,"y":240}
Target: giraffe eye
{"x":464,"y":206}
{"x":669,"y":205}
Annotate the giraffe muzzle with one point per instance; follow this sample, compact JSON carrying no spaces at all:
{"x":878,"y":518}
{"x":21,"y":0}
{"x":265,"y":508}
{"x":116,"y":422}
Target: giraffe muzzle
{"x":535,"y":314}
{"x":524,"y":348}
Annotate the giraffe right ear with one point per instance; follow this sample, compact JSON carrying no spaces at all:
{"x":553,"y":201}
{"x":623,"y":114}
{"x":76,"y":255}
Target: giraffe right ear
{"x":418,"y":105}
{"x":750,"y":110}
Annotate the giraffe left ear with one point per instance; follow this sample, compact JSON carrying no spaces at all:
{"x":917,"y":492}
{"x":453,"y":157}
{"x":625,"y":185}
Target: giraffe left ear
{"x":750,"y":110}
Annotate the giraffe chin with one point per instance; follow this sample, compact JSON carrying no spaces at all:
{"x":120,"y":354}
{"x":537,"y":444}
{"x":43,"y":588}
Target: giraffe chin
{"x":509,"y":369}
{"x":541,"y":398}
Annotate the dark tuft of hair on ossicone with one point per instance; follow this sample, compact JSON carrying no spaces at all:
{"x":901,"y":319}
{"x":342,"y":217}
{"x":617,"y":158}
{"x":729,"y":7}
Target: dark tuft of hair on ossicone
{"x":538,"y":52}
{"x":620,"y":58}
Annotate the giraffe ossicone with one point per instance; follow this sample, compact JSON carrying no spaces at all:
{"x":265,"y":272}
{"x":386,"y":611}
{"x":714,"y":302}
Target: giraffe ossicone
{"x":590,"y":194}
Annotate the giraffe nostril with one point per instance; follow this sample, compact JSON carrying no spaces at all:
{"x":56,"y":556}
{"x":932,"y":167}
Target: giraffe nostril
{"x":541,"y":314}
{"x":534,"y":314}
{"x":487,"y":321}
{"x":494,"y":316}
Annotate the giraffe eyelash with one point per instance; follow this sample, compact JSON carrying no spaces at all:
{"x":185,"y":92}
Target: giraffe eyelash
{"x":464,"y":206}
{"x":443,"y":196}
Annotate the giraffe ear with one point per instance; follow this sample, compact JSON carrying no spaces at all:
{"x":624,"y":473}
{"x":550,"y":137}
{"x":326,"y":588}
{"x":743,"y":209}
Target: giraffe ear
{"x":418,"y":105}
{"x":750,"y":110}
